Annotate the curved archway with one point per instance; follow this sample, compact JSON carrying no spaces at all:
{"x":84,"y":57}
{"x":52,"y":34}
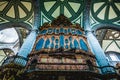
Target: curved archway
{"x":22,"y":29}
{"x":17,"y":24}
{"x":106,"y":26}
{"x":12,"y":37}
{"x":20,"y":36}
{"x":109,"y":39}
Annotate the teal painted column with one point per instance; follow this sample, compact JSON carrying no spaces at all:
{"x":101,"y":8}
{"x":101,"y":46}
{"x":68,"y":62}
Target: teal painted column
{"x":99,"y":53}
{"x":93,"y":42}
{"x":28,"y":44}
{"x":30,"y":40}
{"x":26,"y":48}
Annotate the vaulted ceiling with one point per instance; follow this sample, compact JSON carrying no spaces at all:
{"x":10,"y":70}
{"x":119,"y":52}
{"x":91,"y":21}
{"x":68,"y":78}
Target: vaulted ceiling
{"x":18,"y":16}
{"x":103,"y":13}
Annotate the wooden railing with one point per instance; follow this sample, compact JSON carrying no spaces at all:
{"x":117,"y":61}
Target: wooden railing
{"x":69,"y":67}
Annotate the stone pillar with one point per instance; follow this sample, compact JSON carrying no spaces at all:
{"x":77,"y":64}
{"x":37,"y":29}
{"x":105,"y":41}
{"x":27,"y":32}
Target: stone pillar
{"x":30,"y":40}
{"x":93,"y":42}
{"x":99,"y":53}
{"x":28,"y":44}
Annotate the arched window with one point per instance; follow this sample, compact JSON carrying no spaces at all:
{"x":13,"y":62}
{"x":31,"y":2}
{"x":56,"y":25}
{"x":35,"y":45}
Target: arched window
{"x":39,"y":44}
{"x":83,"y":45}
{"x":47,"y":43}
{"x":61,"y":40}
{"x":76,"y":44}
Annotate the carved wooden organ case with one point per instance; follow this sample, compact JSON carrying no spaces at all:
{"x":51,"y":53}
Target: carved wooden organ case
{"x":61,"y":45}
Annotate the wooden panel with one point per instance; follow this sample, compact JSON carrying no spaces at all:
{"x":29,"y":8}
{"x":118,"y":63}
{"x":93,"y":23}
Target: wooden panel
{"x":46,"y":62}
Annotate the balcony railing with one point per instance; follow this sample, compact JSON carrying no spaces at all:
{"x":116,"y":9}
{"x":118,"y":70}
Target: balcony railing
{"x":62,"y":66}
